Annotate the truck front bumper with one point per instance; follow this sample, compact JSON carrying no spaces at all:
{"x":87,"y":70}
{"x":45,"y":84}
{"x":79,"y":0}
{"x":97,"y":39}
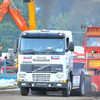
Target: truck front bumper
{"x":43,"y":84}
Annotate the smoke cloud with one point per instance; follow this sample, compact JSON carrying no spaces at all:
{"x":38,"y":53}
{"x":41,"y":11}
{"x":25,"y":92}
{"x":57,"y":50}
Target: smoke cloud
{"x":47,"y":10}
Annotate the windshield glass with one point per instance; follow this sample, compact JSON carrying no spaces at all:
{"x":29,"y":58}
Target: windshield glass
{"x":93,"y":41}
{"x":40,"y":45}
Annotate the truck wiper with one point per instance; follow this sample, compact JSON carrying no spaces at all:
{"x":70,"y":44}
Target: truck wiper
{"x":41,"y":68}
{"x":33,"y":52}
{"x":29,"y":51}
{"x":51,"y":50}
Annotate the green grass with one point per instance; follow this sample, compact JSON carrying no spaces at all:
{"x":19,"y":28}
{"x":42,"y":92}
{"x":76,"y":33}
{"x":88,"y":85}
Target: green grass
{"x":9,"y":87}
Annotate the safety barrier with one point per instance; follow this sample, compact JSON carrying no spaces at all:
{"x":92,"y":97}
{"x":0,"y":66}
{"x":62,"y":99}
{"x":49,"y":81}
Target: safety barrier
{"x":7,"y":75}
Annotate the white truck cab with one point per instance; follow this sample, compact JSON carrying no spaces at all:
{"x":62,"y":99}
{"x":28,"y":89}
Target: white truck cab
{"x":45,"y":61}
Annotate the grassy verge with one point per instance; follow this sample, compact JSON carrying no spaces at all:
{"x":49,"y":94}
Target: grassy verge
{"x":9,"y":87}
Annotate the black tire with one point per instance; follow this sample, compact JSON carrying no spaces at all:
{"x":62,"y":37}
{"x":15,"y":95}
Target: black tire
{"x":66,"y":91}
{"x":24,"y":91}
{"x":88,"y":82}
{"x":82,"y":84}
{"x":80,"y":91}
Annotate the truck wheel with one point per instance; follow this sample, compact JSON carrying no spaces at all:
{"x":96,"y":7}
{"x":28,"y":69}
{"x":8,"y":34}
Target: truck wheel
{"x":66,"y":91}
{"x":88,"y":82}
{"x":24,"y":91}
{"x":80,"y":91}
{"x":82,"y":82}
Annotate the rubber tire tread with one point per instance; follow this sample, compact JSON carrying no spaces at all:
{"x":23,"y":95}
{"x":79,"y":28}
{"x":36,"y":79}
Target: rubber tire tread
{"x":88,"y":82}
{"x":24,"y":91}
{"x":65,"y":92}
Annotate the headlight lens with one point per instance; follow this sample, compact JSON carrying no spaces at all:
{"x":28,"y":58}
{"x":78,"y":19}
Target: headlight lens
{"x":59,"y":75}
{"x":22,"y":75}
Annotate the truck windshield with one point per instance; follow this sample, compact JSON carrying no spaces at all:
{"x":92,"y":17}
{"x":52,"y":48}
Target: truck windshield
{"x":93,"y":41}
{"x":42,"y":45}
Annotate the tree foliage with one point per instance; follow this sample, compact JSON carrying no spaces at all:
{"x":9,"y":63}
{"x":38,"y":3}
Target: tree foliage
{"x":65,"y":15}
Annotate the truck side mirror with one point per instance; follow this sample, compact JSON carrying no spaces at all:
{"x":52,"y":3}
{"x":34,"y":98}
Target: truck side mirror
{"x":71,"y":46}
{"x":15,"y":46}
{"x":67,"y":50}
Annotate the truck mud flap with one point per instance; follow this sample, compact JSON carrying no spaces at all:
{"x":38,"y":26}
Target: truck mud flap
{"x":77,"y":67}
{"x":78,"y":85}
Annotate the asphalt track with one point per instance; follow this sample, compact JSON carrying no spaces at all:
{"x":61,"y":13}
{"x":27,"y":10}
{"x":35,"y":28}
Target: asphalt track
{"x":14,"y":94}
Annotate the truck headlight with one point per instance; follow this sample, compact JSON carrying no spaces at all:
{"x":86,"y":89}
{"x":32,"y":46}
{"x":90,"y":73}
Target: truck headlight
{"x":22,"y":75}
{"x":59,"y":75}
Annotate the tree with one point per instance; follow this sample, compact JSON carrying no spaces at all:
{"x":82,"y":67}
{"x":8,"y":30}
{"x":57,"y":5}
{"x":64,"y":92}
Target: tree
{"x":59,"y":22}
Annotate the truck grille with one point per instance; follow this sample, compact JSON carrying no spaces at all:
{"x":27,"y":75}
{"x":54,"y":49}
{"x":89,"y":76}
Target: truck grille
{"x":44,"y":68}
{"x":41,"y":77}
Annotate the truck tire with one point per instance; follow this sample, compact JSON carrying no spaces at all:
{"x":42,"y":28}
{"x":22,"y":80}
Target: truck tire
{"x":24,"y":91}
{"x":82,"y":84}
{"x":88,"y":82}
{"x":66,"y":91}
{"x":80,"y":91}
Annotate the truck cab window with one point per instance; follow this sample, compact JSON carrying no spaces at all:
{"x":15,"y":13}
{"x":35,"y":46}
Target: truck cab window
{"x":93,"y":42}
{"x":43,"y":44}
